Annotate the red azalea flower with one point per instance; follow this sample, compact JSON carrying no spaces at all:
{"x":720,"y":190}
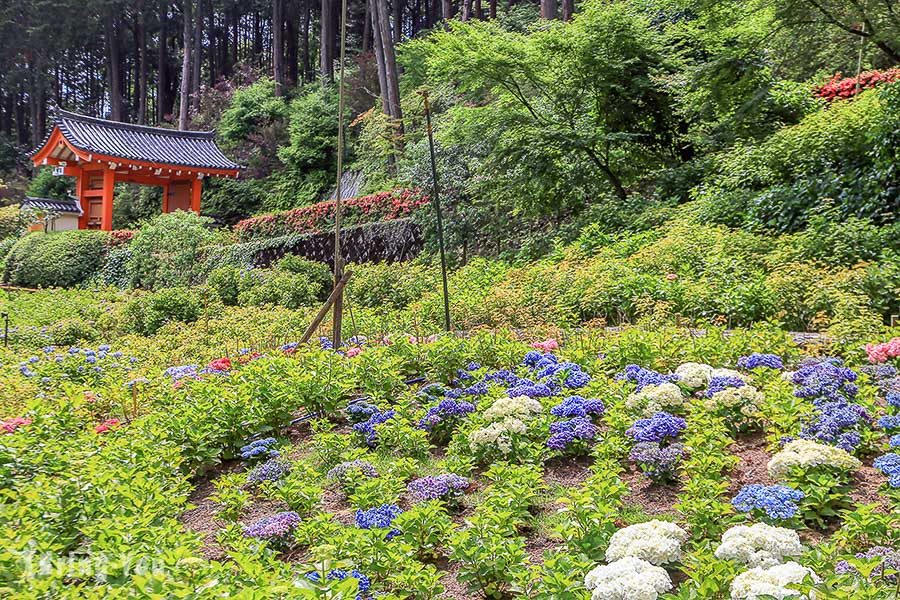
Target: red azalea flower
{"x":107,"y":425}
{"x":220,"y":364}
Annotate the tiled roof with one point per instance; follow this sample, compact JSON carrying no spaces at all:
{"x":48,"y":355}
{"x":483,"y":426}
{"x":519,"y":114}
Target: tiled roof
{"x":63,"y":206}
{"x":195,"y":149}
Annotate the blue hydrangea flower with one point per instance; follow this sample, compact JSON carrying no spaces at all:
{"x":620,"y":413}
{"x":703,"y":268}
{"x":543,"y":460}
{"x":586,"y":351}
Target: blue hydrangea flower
{"x":895,"y":441}
{"x":434,"y":487}
{"x":364,"y":584}
{"x":657,"y":428}
{"x":259,"y":448}
{"x":826,"y":380}
{"x":447,"y":410}
{"x":271,"y":470}
{"x":837,"y":423}
{"x":889,"y":422}
{"x":530,"y":389}
{"x":360,"y":411}
{"x":644,"y":377}
{"x":889,"y":464}
{"x":758,"y":360}
{"x":777,"y":501}
{"x":369,"y":427}
{"x":564,"y":433}
{"x":379,"y":517}
{"x":656,"y":461}
{"x":577,"y":406}
{"x":718,"y":384}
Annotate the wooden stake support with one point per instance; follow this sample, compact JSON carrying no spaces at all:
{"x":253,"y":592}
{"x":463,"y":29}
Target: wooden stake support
{"x":336,"y":293}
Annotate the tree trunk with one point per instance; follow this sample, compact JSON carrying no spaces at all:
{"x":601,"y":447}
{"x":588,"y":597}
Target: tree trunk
{"x":548,"y":9}
{"x":307,"y":68}
{"x":326,"y":36}
{"x":479,"y":14}
{"x":492,"y":8}
{"x":162,"y":59}
{"x":467,"y":10}
{"x":197,"y":56}
{"x":142,"y":64}
{"x":185,"y":66}
{"x":390,"y":64}
{"x":278,"y":45}
{"x":114,"y":67}
{"x":568,"y":9}
{"x":398,"y":20}
{"x":447,"y":9}
{"x":367,"y":27}
{"x":379,"y":56}
{"x":291,"y":50}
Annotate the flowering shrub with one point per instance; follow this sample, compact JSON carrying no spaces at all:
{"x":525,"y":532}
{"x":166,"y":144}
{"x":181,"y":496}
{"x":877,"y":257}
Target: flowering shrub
{"x":888,"y":559}
{"x":276,"y":529}
{"x":644,"y":377}
{"x":78,"y":365}
{"x":576,"y":406}
{"x":824,"y":380}
{"x":259,"y":448}
{"x":806,"y":455}
{"x":880,"y":353}
{"x":219,"y":366}
{"x":548,"y":345}
{"x":518,"y":407}
{"x":442,"y":419}
{"x":628,"y":578}
{"x":758,"y":360}
{"x":775,"y":502}
{"x":889,"y":464}
{"x":271,"y":470}
{"x":350,"y":474}
{"x":659,"y":463}
{"x":13,"y":423}
{"x":693,"y":375}
{"x":501,"y":436}
{"x":656,"y":398}
{"x":846,"y":87}
{"x":383,"y":206}
{"x":572,"y":436}
{"x":360,"y":411}
{"x":759,"y":545}
{"x":720,"y":383}
{"x":657,"y":542}
{"x":107,"y":425}
{"x":771,"y":582}
{"x":364,"y":584}
{"x":657,"y":428}
{"x":447,"y":487}
{"x":379,"y":517}
{"x":839,"y":423}
{"x":741,"y":405}
{"x":368,"y":428}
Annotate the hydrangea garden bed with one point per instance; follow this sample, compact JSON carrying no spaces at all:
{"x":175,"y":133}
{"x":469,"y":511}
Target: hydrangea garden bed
{"x":737,"y":467}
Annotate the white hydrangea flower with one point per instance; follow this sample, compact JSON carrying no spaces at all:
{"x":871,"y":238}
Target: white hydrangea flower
{"x":727,"y":373}
{"x":773,"y":581}
{"x":655,"y":398}
{"x":498,"y":434}
{"x":809,"y":454}
{"x":520,"y":407}
{"x":759,"y":545}
{"x":694,"y":375}
{"x":628,"y":578}
{"x":657,"y":542}
{"x":747,"y":398}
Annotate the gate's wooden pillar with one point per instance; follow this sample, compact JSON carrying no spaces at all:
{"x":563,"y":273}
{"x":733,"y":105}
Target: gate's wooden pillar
{"x":80,"y":186}
{"x":196,"y":189}
{"x":109,"y":184}
{"x":165,"y":202}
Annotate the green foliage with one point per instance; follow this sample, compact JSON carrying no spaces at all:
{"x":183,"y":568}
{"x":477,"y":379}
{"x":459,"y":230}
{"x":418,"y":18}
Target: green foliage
{"x":318,"y":274}
{"x":57,"y":259}
{"x":46,"y":185}
{"x":253,"y":108}
{"x":390,"y":285}
{"x":12,"y":222}
{"x":147,"y":313}
{"x":167,"y":251}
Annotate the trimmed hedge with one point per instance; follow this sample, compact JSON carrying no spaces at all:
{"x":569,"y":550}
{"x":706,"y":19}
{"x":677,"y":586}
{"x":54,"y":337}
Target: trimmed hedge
{"x":56,"y":259}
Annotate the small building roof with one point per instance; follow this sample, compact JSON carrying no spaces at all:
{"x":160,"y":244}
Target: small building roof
{"x":62,"y":206}
{"x":192,"y":149}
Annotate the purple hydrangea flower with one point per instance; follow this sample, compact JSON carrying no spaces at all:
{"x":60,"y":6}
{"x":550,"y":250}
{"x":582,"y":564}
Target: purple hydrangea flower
{"x":530,"y":389}
{"x":777,"y":501}
{"x":364,"y":584}
{"x":275,"y":529}
{"x":758,"y":360}
{"x":826,"y":380}
{"x":368,"y":428}
{"x":353,"y":467}
{"x":271,"y":470}
{"x":448,"y":410}
{"x":360,"y":411}
{"x":657,"y":428}
{"x":890,"y":559}
{"x":657,"y":462}
{"x":433,"y":487}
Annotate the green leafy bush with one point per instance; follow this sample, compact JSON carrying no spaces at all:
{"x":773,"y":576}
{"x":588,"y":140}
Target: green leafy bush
{"x":57,"y":259}
{"x":168,"y":250}
{"x":147,"y":313}
{"x":390,"y":285}
{"x":318,"y":274}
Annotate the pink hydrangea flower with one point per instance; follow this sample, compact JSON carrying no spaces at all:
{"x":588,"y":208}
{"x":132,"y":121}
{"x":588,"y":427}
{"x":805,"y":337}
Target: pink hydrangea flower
{"x":107,"y":425}
{"x":548,"y":345}
{"x":220,"y":364}
{"x":879,"y":353}
{"x":13,"y":423}
{"x":355,"y":351}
